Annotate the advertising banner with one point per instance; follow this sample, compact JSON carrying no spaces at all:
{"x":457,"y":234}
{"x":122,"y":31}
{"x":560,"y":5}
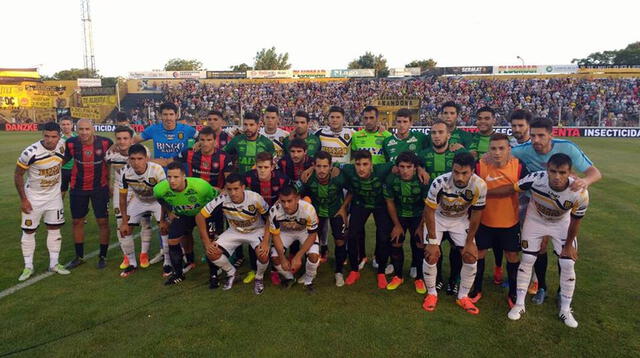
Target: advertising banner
{"x":88,"y":113}
{"x":89,"y":82}
{"x":270,"y":74}
{"x":365,"y":72}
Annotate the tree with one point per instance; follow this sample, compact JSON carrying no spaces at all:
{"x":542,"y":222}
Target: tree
{"x":630,"y":55}
{"x":269,"y":59}
{"x":74,"y":74}
{"x":423,"y":64}
{"x":369,"y":60}
{"x":243,"y":67}
{"x":180,"y":64}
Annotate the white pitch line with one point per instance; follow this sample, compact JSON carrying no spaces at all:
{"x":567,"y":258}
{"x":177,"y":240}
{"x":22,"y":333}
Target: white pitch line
{"x":42,"y":276}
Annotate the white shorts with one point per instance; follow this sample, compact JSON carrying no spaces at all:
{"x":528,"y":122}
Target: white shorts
{"x":301,"y":236}
{"x":535,"y":229}
{"x":137,"y":209}
{"x":457,"y":228}
{"x":51,"y":210}
{"x":231,"y":239}
{"x":115,"y":203}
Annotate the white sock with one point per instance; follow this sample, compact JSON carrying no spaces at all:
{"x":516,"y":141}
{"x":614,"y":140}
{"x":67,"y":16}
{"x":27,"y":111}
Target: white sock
{"x":225,"y":265}
{"x":129,"y":249}
{"x":430,"y":272}
{"x":145,"y":235}
{"x":28,"y":244}
{"x":165,"y":250}
{"x":54,"y":242}
{"x":261,"y":269}
{"x":311,"y":268}
{"x":467,"y":276}
{"x":567,"y":283}
{"x":118,"y":234}
{"x":524,"y":276}
{"x":286,"y":274}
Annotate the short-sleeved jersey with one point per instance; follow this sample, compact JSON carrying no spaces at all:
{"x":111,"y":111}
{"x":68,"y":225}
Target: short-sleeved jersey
{"x":68,"y":165}
{"x":243,"y":151}
{"x":326,"y":198}
{"x":245,"y":217}
{"x":363,"y":140}
{"x":536,"y":162}
{"x":304,"y":219}
{"x":313,"y":144}
{"x":367,"y":192}
{"x":513,"y":142}
{"x":277,"y":139}
{"x":43,"y":171}
{"x":549,"y":204}
{"x":168,"y":143}
{"x":90,"y":171}
{"x":338,"y":144}
{"x":221,"y":140}
{"x":407,"y":195}
{"x":141,"y":184}
{"x":268,"y":189}
{"x":210,"y":167}
{"x":187,"y":202}
{"x":117,"y":162}
{"x":292,"y":170}
{"x":450,"y":201}
{"x":392,"y":146}
{"x":436,"y":163}
{"x":501,"y":211}
{"x":481,"y":143}
{"x":460,"y":136}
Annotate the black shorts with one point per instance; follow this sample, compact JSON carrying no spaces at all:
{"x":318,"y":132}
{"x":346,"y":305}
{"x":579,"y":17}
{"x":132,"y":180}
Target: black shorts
{"x":79,"y":200}
{"x":181,"y":226}
{"x":338,"y":228}
{"x":410,"y":225}
{"x":66,"y":178}
{"x":508,"y":238}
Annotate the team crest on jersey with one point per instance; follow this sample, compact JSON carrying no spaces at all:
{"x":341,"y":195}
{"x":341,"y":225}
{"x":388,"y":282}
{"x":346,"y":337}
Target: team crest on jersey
{"x":205,"y":165}
{"x":567,"y":205}
{"x":412,"y":147}
{"x":153,"y":181}
{"x":180,"y":135}
{"x":28,"y":222}
{"x":252,"y":207}
{"x":468,"y":194}
{"x":347,"y":136}
{"x":87,"y":152}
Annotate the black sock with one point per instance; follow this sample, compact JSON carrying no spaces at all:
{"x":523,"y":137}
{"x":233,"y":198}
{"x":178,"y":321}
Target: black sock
{"x":497,"y":253}
{"x":397,"y":259}
{"x":477,"y":283}
{"x":455,"y":260}
{"x":80,"y":249}
{"x":341,"y":256}
{"x":103,"y":250}
{"x":213,"y":269}
{"x":239,"y":253}
{"x":352,"y":251}
{"x":323,"y":250}
{"x":541,"y":270}
{"x":439,"y":277}
{"x":190,"y":257}
{"x":417,"y":258}
{"x":512,"y":274}
{"x":175,"y":252}
{"x":253,"y":260}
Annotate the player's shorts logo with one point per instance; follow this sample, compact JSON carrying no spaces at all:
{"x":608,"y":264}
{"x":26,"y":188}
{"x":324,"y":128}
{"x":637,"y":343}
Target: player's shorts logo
{"x":28,"y":222}
{"x":524,"y":244}
{"x":567,"y":205}
{"x":117,"y":211}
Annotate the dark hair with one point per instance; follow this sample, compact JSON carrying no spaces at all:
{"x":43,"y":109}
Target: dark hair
{"x":407,"y":157}
{"x":207,"y":131}
{"x":65,"y":118}
{"x":486,"y":109}
{"x":122,"y":117}
{"x":361,"y":154}
{"x":176,"y":165}
{"x":138,"y":149}
{"x":440,"y":121}
{"x":272,"y":109}
{"x":234,"y":178}
{"x":560,"y":159}
{"x":450,"y":104}
{"x":298,"y":143}
{"x":404,"y":112}
{"x":543,"y":123}
{"x":465,"y":159}
{"x":264,"y":157}
{"x":370,"y":109}
{"x":520,"y":114}
{"x":302,"y":114}
{"x":336,"y":109}
{"x":252,"y":116}
{"x":322,"y":155}
{"x":120,"y":129}
{"x":498,"y":136}
{"x":215,"y":113}
{"x":288,"y":190}
{"x":170,"y":106}
{"x":51,"y":127}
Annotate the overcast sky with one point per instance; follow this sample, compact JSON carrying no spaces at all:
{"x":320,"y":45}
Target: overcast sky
{"x":136,"y":35}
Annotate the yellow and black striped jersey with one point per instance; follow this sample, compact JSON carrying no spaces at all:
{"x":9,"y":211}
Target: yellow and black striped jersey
{"x":245,"y":217}
{"x":304,"y":218}
{"x":450,"y":201}
{"x":337,"y":144}
{"x":553,"y":205}
{"x":141,"y":184}
{"x":43,"y":170}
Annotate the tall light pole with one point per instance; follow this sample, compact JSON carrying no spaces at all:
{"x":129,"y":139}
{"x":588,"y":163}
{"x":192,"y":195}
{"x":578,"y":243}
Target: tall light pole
{"x":521,"y":59}
{"x":87,"y":38}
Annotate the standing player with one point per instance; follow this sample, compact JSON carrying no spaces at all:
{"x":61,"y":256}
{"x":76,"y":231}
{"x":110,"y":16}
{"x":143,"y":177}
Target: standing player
{"x":301,"y":131}
{"x":141,"y":176}
{"x":215,"y":121}
{"x":66,"y":126}
{"x":245,"y":211}
{"x":292,"y":219}
{"x":556,"y":211}
{"x":485,"y":120}
{"x":40,"y":197}
{"x":296,"y":160}
{"x":404,"y":139}
{"x":335,"y":139}
{"x":451,"y":197}
{"x":519,"y":120}
{"x":89,"y":183}
{"x":182,"y":197}
{"x":449,"y":113}
{"x":207,"y":163}
{"x":244,"y":147}
{"x":370,"y":137}
{"x":275,"y":134}
{"x":405,"y":196}
{"x":169,"y":137}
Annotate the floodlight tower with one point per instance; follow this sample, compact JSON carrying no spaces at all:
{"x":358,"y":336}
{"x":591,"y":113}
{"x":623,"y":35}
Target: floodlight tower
{"x":87,"y":37}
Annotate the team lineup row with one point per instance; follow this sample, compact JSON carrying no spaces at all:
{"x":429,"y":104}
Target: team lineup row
{"x":472,"y":202}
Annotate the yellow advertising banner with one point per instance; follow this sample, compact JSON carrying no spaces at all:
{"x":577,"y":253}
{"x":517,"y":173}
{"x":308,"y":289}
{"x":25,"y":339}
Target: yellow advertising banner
{"x":88,"y":113}
{"x":94,"y":101}
{"x":41,"y":102}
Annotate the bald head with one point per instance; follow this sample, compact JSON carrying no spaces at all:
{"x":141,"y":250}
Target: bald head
{"x":85,"y":130}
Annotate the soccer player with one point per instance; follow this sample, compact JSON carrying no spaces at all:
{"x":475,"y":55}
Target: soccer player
{"x":519,"y":120}
{"x":244,"y":147}
{"x":326,"y":193}
{"x":301,"y":131}
{"x":451,"y":197}
{"x":370,"y":137}
{"x":499,"y":224}
{"x":404,"y":139}
{"x":40,"y":197}
{"x":405,"y":195}
{"x":207,"y":162}
{"x":292,"y":219}
{"x":296,"y":160}
{"x":66,"y":126}
{"x":535,"y":156}
{"x":335,"y":138}
{"x":169,"y":137}
{"x":246,"y":212}
{"x":140,"y":176}
{"x":182,"y":197}
{"x":485,"y":121}
{"x":449,"y":112}
{"x":122,"y":119}
{"x":556,"y":211}
{"x":277,"y":135}
{"x":89,"y":183}
{"x":216,"y":121}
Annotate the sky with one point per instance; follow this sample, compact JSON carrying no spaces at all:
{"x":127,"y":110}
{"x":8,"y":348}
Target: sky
{"x":141,"y":35}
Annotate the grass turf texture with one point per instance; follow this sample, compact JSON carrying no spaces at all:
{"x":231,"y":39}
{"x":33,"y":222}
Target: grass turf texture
{"x":95,"y":312}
